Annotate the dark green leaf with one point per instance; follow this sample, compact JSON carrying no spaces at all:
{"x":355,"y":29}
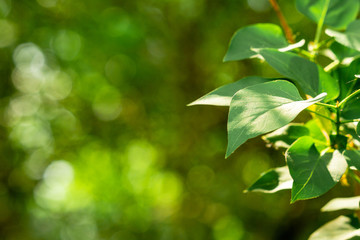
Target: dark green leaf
{"x":343,"y":54}
{"x":313,"y":174}
{"x":340,"y":12}
{"x":353,"y":158}
{"x":342,"y":228}
{"x":222,"y":95}
{"x":311,"y":78}
{"x":351,"y":203}
{"x":358,"y":129}
{"x":274,"y":180}
{"x":262,"y":35}
{"x":350,"y":38}
{"x":262,"y":108}
{"x":285,"y":136}
{"x":348,"y":83}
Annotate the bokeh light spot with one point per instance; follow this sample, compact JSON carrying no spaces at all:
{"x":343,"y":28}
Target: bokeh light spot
{"x":67,"y":44}
{"x":8,"y":33}
{"x":107,"y":104}
{"x":259,"y":5}
{"x":47,"y":3}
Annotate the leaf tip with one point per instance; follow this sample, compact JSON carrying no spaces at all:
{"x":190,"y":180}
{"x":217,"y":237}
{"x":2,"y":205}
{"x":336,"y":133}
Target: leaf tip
{"x":226,"y":58}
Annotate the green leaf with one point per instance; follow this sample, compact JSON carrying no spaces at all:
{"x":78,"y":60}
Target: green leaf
{"x":348,"y":83}
{"x":313,"y":174}
{"x":285,"y":136}
{"x":350,"y":38}
{"x":340,"y":12}
{"x":317,"y":134}
{"x":262,"y":35}
{"x":342,"y":228}
{"x":351,"y":203}
{"x":358,"y":129}
{"x":353,"y":158}
{"x":310,"y":77}
{"x":262,"y":108}
{"x":273,"y":180}
{"x":343,"y":54}
{"x":222,"y":95}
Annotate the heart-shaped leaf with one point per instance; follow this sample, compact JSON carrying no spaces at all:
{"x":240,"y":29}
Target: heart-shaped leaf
{"x":350,"y":38}
{"x":310,"y":77}
{"x":313,"y":174}
{"x":339,"y":13}
{"x":342,"y":228}
{"x":262,"y":35}
{"x":262,"y":108}
{"x":273,"y":180}
{"x":222,"y":95}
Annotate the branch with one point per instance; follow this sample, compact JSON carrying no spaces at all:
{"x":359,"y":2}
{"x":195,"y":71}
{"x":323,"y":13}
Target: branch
{"x":288,"y":32}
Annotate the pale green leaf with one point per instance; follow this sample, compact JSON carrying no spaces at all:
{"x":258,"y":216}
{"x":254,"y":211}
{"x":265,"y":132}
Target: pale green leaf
{"x":273,"y":180}
{"x":222,"y":95}
{"x":262,"y":108}
{"x":350,"y":38}
{"x":262,"y":35}
{"x":313,"y":174}
{"x":285,"y":136}
{"x":342,"y":228}
{"x":310,"y":77}
{"x":351,"y":203}
{"x":339,"y":14}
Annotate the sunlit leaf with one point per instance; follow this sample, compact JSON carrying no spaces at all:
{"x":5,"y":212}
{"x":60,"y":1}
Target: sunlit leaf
{"x":350,"y":38}
{"x":339,"y":14}
{"x":262,"y":108}
{"x":222,"y":95}
{"x":262,"y":35}
{"x":342,"y":228}
{"x":271,"y":181}
{"x":351,"y":203}
{"x":313,"y":174}
{"x":310,"y":77}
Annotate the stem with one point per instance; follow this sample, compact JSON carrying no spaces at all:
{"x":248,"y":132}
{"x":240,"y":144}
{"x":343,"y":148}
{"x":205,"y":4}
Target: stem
{"x":304,"y":52}
{"x":326,"y":105}
{"x":321,"y":23}
{"x":332,"y":65}
{"x":338,"y":123}
{"x":288,"y":32}
{"x":320,"y":115}
{"x":345,"y":100}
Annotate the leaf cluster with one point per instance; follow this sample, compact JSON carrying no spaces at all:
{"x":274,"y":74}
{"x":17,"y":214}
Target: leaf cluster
{"x":323,"y":151}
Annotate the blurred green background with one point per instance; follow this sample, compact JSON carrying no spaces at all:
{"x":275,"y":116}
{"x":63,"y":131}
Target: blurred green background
{"x":96,"y":138}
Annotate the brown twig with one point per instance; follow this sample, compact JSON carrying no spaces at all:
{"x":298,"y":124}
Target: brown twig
{"x":288,"y":32}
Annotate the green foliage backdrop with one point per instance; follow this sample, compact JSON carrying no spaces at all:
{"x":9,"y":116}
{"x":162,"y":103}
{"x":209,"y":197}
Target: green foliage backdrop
{"x":96,"y":138}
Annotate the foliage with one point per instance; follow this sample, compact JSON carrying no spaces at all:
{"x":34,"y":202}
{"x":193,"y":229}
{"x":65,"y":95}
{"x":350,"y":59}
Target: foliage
{"x":323,"y":79}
